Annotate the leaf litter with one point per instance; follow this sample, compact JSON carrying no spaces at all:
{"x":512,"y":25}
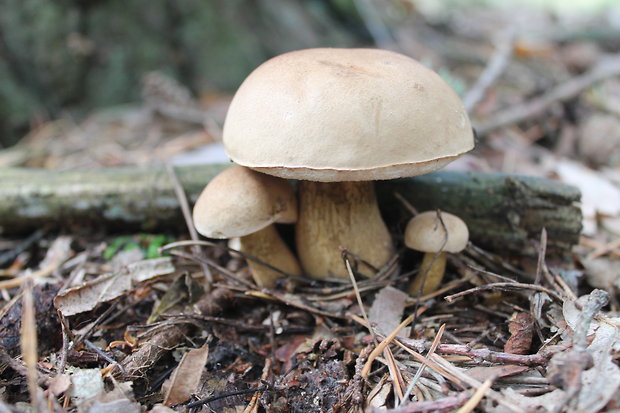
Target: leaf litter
{"x":153,"y":334}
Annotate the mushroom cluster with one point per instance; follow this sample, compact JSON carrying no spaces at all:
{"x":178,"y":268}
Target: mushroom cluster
{"x":336,"y":120}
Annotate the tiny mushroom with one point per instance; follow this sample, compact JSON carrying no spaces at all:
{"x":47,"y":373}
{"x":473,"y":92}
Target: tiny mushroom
{"x":338,"y":119}
{"x":435,"y":233}
{"x":240,"y":202}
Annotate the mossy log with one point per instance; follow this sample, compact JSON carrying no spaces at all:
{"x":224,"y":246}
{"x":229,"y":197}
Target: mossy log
{"x":504,"y":212}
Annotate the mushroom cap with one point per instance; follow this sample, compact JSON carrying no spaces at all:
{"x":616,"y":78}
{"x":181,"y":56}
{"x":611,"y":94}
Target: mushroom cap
{"x":426,"y":233}
{"x":345,"y":115}
{"x":240,"y":201}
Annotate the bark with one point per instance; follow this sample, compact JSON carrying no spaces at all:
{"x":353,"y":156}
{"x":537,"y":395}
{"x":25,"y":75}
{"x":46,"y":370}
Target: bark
{"x":503,"y":212}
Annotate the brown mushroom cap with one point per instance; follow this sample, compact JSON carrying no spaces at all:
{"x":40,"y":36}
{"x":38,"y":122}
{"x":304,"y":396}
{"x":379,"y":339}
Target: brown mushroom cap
{"x":426,"y":233}
{"x":240,"y":201}
{"x":345,"y":115}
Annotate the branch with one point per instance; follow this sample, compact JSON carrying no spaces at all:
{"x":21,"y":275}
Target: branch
{"x":502,"y":211}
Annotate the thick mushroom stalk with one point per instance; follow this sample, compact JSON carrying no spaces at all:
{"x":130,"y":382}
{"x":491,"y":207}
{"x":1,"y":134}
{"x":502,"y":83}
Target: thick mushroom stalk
{"x":240,"y":202}
{"x":267,"y":245}
{"x":435,"y":233}
{"x":340,"y":214}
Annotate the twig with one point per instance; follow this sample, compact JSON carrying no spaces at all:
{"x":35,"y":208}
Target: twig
{"x":182,"y":198}
{"x":253,"y":405}
{"x":607,"y":68}
{"x":28,"y":342}
{"x":445,"y":404}
{"x":383,"y":345}
{"x":495,"y":396}
{"x":227,"y":394}
{"x":11,"y":254}
{"x":43,"y":272}
{"x":600,"y":251}
{"x":596,"y":300}
{"x":359,"y":298}
{"x":475,"y":399}
{"x":291,"y":301}
{"x":418,"y":373}
{"x":412,"y":210}
{"x":243,"y":254}
{"x":494,"y":356}
{"x":397,"y":378}
{"x":503,"y":286}
{"x":225,"y":272}
{"x":494,"y":69}
{"x":101,"y":354}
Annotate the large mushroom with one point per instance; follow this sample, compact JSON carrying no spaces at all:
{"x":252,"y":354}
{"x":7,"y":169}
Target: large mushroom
{"x":337,"y":119}
{"x":240,"y":202}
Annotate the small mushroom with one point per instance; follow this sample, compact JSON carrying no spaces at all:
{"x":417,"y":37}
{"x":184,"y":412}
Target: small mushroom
{"x":435,"y":233}
{"x":243,"y":203}
{"x":338,"y":119}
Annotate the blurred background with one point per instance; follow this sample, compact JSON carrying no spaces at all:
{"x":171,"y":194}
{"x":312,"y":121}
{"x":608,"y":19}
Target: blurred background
{"x":108,"y":82}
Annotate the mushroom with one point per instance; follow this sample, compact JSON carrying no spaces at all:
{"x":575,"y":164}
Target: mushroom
{"x":435,"y":233}
{"x":337,"y":119}
{"x":240,"y":202}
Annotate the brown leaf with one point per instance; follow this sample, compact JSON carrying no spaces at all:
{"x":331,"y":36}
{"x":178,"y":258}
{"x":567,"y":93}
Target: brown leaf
{"x":521,"y":328}
{"x":107,"y":287}
{"x":186,"y":377}
{"x":59,"y":384}
{"x":387,"y":310}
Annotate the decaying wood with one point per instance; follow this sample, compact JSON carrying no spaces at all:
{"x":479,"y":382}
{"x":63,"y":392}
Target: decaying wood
{"x":502,"y":211}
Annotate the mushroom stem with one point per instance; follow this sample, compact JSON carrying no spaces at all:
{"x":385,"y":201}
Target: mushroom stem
{"x":431,"y":274}
{"x":267,"y":245}
{"x":340,"y":214}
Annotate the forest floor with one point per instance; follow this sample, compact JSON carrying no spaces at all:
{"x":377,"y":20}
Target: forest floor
{"x":93,"y":320}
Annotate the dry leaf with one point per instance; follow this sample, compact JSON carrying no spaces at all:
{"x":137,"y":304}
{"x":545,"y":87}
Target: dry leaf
{"x":58,"y":252}
{"x":387,"y":311}
{"x":521,"y":328}
{"x":602,"y":272}
{"x":184,"y":290}
{"x":186,"y":377}
{"x":600,"y":383}
{"x":86,"y":384}
{"x":148,"y":269}
{"x":105,"y":288}
{"x":379,"y":395}
{"x":59,"y":384}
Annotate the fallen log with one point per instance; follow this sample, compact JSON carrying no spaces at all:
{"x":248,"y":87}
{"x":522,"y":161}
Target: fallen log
{"x":504,"y":212}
